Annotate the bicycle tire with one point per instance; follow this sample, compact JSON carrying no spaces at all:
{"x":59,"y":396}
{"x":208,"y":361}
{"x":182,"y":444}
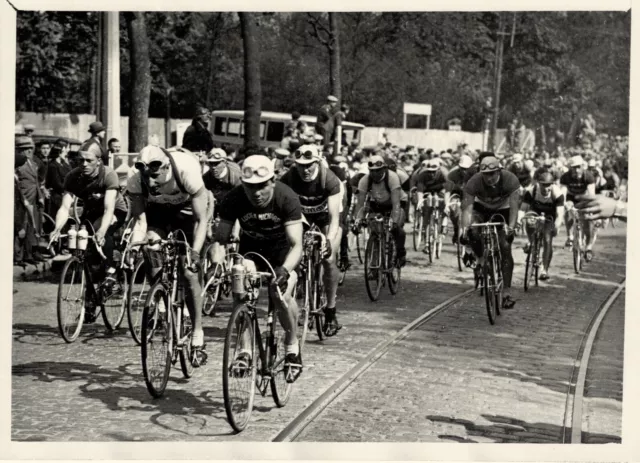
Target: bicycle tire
{"x":498,"y":278}
{"x":320,"y":303}
{"x":280,"y":388}
{"x":527,"y":269}
{"x":417,"y":231}
{"x":212,"y":294}
{"x":78,"y":313}
{"x":437,"y":242}
{"x":156,"y":379}
{"x":489,"y":294}
{"x":431,"y":239}
{"x":393,"y":270}
{"x":239,"y":410}
{"x":361,"y":242}
{"x":115,"y":306}
{"x":303,"y":300}
{"x":372,"y":249}
{"x":186,"y":329}
{"x":136,"y":299}
{"x":536,"y":267}
{"x":459,"y":254}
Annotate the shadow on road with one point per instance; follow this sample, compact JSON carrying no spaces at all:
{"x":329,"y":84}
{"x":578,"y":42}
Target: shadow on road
{"x":510,"y":430}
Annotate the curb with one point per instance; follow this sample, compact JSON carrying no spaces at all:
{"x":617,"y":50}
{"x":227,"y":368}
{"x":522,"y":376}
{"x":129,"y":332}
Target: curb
{"x":38,"y":271}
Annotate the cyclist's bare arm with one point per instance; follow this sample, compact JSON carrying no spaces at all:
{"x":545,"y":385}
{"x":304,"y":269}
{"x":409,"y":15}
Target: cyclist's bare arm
{"x":514,"y":205}
{"x":395,"y":204}
{"x":63,"y":213}
{"x":559,"y":216}
{"x":294,"y":236}
{"x":467,"y":210}
{"x":223,"y":233}
{"x":334,"y":203}
{"x":199,"y":203}
{"x":109,"y":208}
{"x":591,"y":189}
{"x":137,"y":204}
{"x":362,"y":195}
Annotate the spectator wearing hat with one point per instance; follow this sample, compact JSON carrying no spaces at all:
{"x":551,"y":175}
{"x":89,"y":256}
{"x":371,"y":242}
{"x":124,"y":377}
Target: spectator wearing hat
{"x":197,"y":137}
{"x":98,"y":131}
{"x":31,"y":196}
{"x":325,"y":122}
{"x":23,"y":233}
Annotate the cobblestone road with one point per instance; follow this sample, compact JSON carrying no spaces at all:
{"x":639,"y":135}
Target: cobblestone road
{"x":455,"y":379}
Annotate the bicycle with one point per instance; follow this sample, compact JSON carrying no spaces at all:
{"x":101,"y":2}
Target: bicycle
{"x":166,"y":322}
{"x":218,"y":277}
{"x":532,"y":263}
{"x":77,"y":270}
{"x":310,"y":289}
{"x":381,"y":256}
{"x":242,"y":369}
{"x":433,"y":236}
{"x":492,"y":282}
{"x":454,"y":211}
{"x":578,"y":245}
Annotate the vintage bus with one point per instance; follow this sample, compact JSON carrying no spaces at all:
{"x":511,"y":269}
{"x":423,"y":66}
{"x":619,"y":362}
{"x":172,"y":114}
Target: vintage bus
{"x":228,"y":127}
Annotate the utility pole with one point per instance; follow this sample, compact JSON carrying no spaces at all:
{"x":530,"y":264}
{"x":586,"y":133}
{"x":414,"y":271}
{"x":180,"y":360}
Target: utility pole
{"x":167,"y":120}
{"x":108,"y":73}
{"x":497,"y":82}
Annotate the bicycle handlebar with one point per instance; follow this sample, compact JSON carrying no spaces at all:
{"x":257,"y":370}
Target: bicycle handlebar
{"x":487,"y":224}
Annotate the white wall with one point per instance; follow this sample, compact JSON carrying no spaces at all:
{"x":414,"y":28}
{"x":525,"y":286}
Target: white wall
{"x":437,"y":140}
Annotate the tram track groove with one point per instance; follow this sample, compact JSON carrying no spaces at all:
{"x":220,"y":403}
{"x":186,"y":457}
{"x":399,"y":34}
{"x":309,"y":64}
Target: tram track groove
{"x":310,"y":413}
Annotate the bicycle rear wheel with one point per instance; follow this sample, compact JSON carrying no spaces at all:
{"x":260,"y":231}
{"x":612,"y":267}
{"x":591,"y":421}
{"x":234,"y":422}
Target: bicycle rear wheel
{"x":213,"y":287}
{"x":136,"y":298}
{"x":373,"y":268}
{"x":156,"y":340}
{"x":431,"y":239}
{"x":70,"y":304}
{"x":115,"y":303}
{"x":489,"y":292}
{"x":320,"y":302}
{"x":528,"y":269}
{"x":536,"y":259}
{"x":186,"y":330}
{"x":417,"y":231}
{"x":239,"y":378}
{"x":392,"y":267}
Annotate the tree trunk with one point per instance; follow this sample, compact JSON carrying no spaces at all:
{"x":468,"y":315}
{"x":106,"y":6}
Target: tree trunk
{"x":140,"y":82}
{"x":252,"y":88}
{"x":334,"y":57}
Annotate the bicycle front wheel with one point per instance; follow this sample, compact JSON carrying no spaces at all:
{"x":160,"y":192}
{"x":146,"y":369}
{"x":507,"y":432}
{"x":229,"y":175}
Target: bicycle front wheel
{"x":115,"y":302}
{"x":213,"y":282}
{"x":71,"y":294}
{"x":280,"y":388}
{"x":303,"y":299}
{"x":490,"y":293}
{"x":392,"y":267}
{"x":137,"y":296}
{"x":361,"y":241}
{"x":417,"y":231}
{"x":536,"y":259}
{"x":319,"y":302}
{"x":373,"y":268}
{"x":431,"y":239}
{"x":239,"y":362}
{"x":156,"y":340}
{"x":528,"y":269}
{"x":186,"y":330}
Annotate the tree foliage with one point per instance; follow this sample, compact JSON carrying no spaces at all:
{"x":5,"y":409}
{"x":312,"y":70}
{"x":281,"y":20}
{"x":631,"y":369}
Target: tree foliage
{"x":561,"y":63}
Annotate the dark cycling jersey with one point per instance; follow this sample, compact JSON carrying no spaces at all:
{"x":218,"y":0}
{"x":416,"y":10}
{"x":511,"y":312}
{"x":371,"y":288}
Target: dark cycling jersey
{"x":492,"y":198}
{"x":576,"y":186}
{"x":428,"y":182}
{"x":544,"y":204}
{"x":523,"y":174}
{"x":456,"y":179}
{"x":314,"y":195}
{"x":91,"y":190}
{"x":222,"y":186}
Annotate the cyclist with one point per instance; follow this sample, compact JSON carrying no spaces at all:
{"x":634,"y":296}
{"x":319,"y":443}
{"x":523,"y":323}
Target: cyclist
{"x":457,"y":179}
{"x":593,"y":168}
{"x":610,"y":181}
{"x":223,"y":175}
{"x":338,"y":165}
{"x":574,"y":183}
{"x":545,"y":198}
{"x":281,"y":155}
{"x":432,"y":180}
{"x":320,"y":192}
{"x":405,"y":182}
{"x":271,"y":221}
{"x":164,"y":188}
{"x":492,"y":191}
{"x":98,"y":187}
{"x":385,"y":196}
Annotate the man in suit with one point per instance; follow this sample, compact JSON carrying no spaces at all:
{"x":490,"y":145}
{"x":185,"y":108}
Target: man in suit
{"x":98,"y":132}
{"x":325,"y":119}
{"x":197,"y":136}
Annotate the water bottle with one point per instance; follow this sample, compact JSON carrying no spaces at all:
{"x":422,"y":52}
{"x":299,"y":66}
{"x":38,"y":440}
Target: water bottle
{"x":237,"y":276}
{"x":72,"y":235}
{"x":83,"y":237}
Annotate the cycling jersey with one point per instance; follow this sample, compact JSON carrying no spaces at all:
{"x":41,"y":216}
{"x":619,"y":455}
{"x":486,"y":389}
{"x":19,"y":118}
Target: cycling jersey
{"x":185,"y":182}
{"x":380,"y":193}
{"x":264,"y":226}
{"x":430,"y":182}
{"x":220,"y":187}
{"x":576,"y":186}
{"x":611,"y":183}
{"x":492,"y":197}
{"x":457,"y":178}
{"x":314,"y":195}
{"x":544,"y":204}
{"x":91,"y":190}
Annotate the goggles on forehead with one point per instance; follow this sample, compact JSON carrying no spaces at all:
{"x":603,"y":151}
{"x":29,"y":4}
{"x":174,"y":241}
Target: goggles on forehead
{"x":306,"y":154}
{"x":261,"y":172}
{"x":215,"y":158}
{"x":376,"y":164}
{"x":490,"y":168}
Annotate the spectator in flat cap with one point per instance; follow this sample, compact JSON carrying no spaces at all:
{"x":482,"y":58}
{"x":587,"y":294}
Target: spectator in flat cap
{"x":98,"y":131}
{"x":325,"y":123}
{"x":197,"y":136}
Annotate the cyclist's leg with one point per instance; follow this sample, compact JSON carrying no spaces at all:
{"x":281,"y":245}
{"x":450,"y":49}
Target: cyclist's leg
{"x":401,"y":238}
{"x":330,"y":279}
{"x":530,"y":230}
{"x":344,"y":239}
{"x":426,"y":216}
{"x":568,"y":221}
{"x":547,"y":252}
{"x":475,"y":236}
{"x":443,"y":218}
{"x":507,"y":256}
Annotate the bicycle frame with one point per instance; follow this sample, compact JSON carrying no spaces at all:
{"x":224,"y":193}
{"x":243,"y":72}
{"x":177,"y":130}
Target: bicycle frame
{"x":379,"y":229}
{"x":490,"y":245}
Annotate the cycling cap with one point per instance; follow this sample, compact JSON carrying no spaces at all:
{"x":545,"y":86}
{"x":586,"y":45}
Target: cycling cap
{"x":517,"y":157}
{"x":592,"y":163}
{"x":216,"y":155}
{"x":576,"y":161}
{"x":465,"y":161}
{"x":151,"y":153}
{"x":282,"y":152}
{"x":546,"y":178}
{"x":489,"y":164}
{"x":432,"y":164}
{"x":257,"y":168}
{"x":307,"y":154}
{"x":529,"y":164}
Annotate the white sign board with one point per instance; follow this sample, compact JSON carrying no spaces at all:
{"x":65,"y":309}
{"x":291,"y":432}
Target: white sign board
{"x":417,"y":108}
